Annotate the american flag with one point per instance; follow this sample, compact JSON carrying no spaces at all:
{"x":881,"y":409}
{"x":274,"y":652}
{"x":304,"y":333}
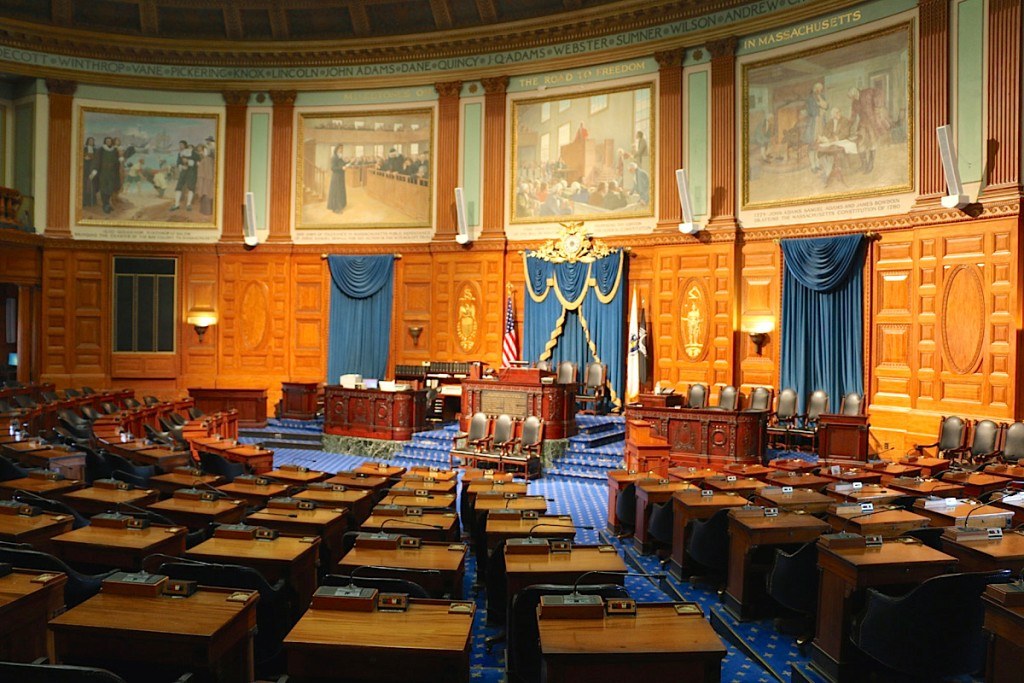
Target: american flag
{"x":509,"y":342}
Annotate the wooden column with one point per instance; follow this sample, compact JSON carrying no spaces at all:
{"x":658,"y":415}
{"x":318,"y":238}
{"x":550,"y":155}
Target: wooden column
{"x":446,"y":173}
{"x":233,"y":159}
{"x":723,"y":133}
{"x":494,"y":157}
{"x":1003,"y":91}
{"x":281,"y":154}
{"x":670,"y":127}
{"x":934,"y":98}
{"x":58,"y":169}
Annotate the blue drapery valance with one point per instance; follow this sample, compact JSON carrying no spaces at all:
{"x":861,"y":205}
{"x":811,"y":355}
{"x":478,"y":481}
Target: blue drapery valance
{"x":574,"y":311}
{"x":822,"y":331}
{"x":360,"y":320}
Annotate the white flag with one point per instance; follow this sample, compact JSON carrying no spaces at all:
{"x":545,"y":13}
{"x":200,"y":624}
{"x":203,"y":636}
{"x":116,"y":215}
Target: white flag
{"x":633,"y":359}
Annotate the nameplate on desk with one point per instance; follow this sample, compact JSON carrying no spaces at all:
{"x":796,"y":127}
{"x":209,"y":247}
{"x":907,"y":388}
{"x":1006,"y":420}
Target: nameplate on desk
{"x":572,"y":606}
{"x":835,"y":470}
{"x":288,"y":503}
{"x":414,"y":512}
{"x":195,"y":494}
{"x":560,"y":546}
{"x":867,"y":507}
{"x":509,"y":495}
{"x":939,"y":503}
{"x":389,"y":511}
{"x":392,"y":602}
{"x":46,"y":475}
{"x":111,"y":520}
{"x":872,"y":541}
{"x":377,"y":541}
{"x":841,"y":540}
{"x":345,"y":598}
{"x":771,"y":512}
{"x":139,"y":584}
{"x":242,"y":531}
{"x":409,"y":542}
{"x":179,"y":588}
{"x":620,"y":607}
{"x":421,"y":493}
{"x":111,"y":484}
{"x":787,"y":489}
{"x":323,"y":486}
{"x":960,"y":533}
{"x":250,"y":480}
{"x":12,"y":507}
{"x":731,"y":478}
{"x":707,"y":493}
{"x":527,"y":546}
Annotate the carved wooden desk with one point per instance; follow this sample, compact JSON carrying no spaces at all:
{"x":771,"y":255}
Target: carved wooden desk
{"x":374,"y":414}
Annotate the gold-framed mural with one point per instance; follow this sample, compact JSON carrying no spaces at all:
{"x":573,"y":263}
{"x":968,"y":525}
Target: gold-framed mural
{"x":364,"y":169}
{"x":584,"y":156}
{"x":832,"y":122}
{"x":140,"y":168}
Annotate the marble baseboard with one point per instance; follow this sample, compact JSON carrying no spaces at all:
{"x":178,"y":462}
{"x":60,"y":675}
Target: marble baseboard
{"x":553,"y":449}
{"x":378,"y":449}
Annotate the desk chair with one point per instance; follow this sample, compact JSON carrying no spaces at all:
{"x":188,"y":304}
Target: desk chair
{"x":594,"y":389}
{"x":523,"y":655}
{"x":659,"y":529}
{"x":140,"y":473}
{"x":697,"y":396}
{"x":88,"y":391}
{"x":496,"y":590}
{"x":158,"y":437}
{"x":984,"y":445}
{"x":10,"y":470}
{"x":728,"y":399}
{"x":90,"y":413}
{"x":49,"y":396}
{"x":625,"y":510}
{"x":109,"y":408}
{"x":808,"y":422}
{"x":62,"y":673}
{"x":384,"y":584}
{"x":526,"y":448}
{"x":760,"y":399}
{"x":783,"y":420}
{"x":176,"y":419}
{"x":132,"y":404}
{"x":194,"y":413}
{"x":931,"y":536}
{"x":952,"y":436}
{"x":96,"y":466}
{"x":72,"y":393}
{"x":708,"y":546}
{"x":567,"y":373}
{"x":792,"y":581}
{"x":475,"y":438}
{"x":79,"y":588}
{"x":1013,"y":444}
{"x":852,"y":404}
{"x":890,"y":629}
{"x":25,"y":402}
{"x":275,"y":615}
{"x":495,"y":447}
{"x":215,"y":464}
{"x":52,"y":506}
{"x":151,"y":400}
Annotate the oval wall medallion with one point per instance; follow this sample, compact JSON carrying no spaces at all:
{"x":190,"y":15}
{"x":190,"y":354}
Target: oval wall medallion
{"x":253,"y":316}
{"x":694,"y":320}
{"x":467,"y":316}
{"x":963,"y":318}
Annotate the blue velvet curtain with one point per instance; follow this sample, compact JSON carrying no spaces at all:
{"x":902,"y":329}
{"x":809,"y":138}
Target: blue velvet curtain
{"x":823,"y":316}
{"x":359,"y":332}
{"x":575,"y":311}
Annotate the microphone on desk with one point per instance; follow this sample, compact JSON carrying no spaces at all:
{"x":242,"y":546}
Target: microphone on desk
{"x":884,"y":508}
{"x":408,"y":521}
{"x":266,"y":511}
{"x":515,"y":496}
{"x":396,"y":570}
{"x":551,"y":525}
{"x":979,"y":506}
{"x":220,"y":494}
{"x":618,"y":572}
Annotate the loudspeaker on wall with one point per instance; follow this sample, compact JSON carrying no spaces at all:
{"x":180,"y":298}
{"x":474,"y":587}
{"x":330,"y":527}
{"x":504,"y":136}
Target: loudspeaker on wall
{"x":688,"y":226}
{"x":251,"y":240}
{"x":460,"y":217}
{"x":955,"y":197}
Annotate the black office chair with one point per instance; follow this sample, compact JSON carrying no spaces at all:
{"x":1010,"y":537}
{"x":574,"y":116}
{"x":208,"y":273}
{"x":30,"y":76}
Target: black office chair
{"x":889,"y":629}
{"x":72,"y":393}
{"x":176,"y":419}
{"x":119,"y":463}
{"x":931,"y":536}
{"x":215,"y":464}
{"x":659,"y":529}
{"x":49,"y":396}
{"x":952,"y":437}
{"x":384,"y":584}
{"x":708,"y":546}
{"x":52,"y":506}
{"x":1013,"y":444}
{"x":90,"y":413}
{"x":79,"y":588}
{"x":697,"y":396}
{"x":96,"y":466}
{"x":983,"y":448}
{"x":132,"y":404}
{"x":88,"y":391}
{"x":496,"y":589}
{"x":151,"y":400}
{"x":11,"y":470}
{"x":807,"y":427}
{"x":625,"y":510}
{"x":110,"y":408}
{"x":761,"y":399}
{"x":792,"y":581}
{"x":56,"y":673}
{"x":194,"y":413}
{"x":158,"y":437}
{"x":783,"y":420}
{"x":523,"y":654}
{"x":275,"y":610}
{"x":728,"y":399}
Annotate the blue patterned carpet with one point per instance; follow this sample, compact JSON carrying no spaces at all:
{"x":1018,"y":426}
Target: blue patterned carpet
{"x":765,"y":655}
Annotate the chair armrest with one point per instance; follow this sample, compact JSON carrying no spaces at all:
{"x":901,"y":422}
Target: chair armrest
{"x":922,"y":446}
{"x":460,"y":435}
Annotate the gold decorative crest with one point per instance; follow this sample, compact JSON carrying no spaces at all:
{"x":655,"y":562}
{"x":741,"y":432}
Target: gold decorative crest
{"x":574,"y":245}
{"x":466,"y":325}
{"x":694,"y":319}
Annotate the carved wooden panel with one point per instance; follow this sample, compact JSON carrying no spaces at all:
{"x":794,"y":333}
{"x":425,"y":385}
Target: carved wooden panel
{"x":20,"y":265}
{"x":963,"y":318}
{"x":413,"y":287}
{"x":310,"y":307}
{"x":198,"y":287}
{"x":760,"y":297}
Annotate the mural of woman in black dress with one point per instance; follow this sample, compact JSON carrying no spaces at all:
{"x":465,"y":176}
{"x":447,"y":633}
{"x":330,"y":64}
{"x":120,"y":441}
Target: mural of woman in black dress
{"x":336,"y":196}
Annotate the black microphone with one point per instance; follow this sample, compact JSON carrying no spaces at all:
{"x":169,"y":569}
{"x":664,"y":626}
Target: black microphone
{"x":266,"y":511}
{"x":515,"y":496}
{"x":615,"y":572}
{"x":978,"y":507}
{"x":220,"y":494}
{"x":380,"y":529}
{"x":552,"y":525}
{"x":396,"y":570}
{"x":886,"y":508}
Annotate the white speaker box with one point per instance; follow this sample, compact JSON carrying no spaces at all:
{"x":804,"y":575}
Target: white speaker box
{"x":688,"y":226}
{"x":955,"y":197}
{"x":251,"y":240}
{"x":460,"y":217}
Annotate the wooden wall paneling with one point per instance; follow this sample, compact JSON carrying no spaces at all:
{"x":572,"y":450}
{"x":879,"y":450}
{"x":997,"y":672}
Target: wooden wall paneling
{"x":58,"y":168}
{"x":469,"y":305}
{"x":199,"y":273}
{"x":310,"y":308}
{"x":55,"y":327}
{"x":640,"y":276}
{"x":413,"y":307}
{"x":21,"y":264}
{"x":89,"y":318}
{"x":254,"y":295}
{"x":760,"y":296}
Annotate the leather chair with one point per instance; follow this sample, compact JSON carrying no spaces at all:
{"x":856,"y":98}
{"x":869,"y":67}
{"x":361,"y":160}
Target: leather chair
{"x":807,"y":429}
{"x":25,"y":402}
{"x":783,"y":420}
{"x":625,"y":510}
{"x":276,"y":611}
{"x":72,"y":393}
{"x":523,"y":654}
{"x":384,"y":584}
{"x":194,"y":413}
{"x":708,"y":546}
{"x":162,"y":438}
{"x":593,"y":391}
{"x":215,"y":464}
{"x":525,"y":451}
{"x":728,"y":399}
{"x":659,"y":528}
{"x":60,"y":673}
{"x":475,"y":438}
{"x":175,"y":420}
{"x":852,"y":404}
{"x":132,"y":404}
{"x":697,"y":396}
{"x":544,"y":365}
{"x":792,"y":581}
{"x":88,"y":391}
{"x":49,"y":396}
{"x":90,"y":413}
{"x":567,"y":373}
{"x":79,"y":432}
{"x":496,"y":587}
{"x":1013,"y":444}
{"x":495,"y":446}
{"x":110,"y":408}
{"x":52,"y":506}
{"x":151,"y":400}
{"x":96,"y":466}
{"x":952,"y":436}
{"x":121,"y":464}
{"x":890,"y":628}
{"x":984,"y":446}
{"x":11,"y":470}
{"x":931,"y":536}
{"x":79,"y":588}
{"x":761,"y":399}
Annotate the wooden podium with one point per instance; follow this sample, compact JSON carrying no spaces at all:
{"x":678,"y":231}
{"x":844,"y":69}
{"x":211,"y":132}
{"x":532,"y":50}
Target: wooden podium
{"x":645,"y":451}
{"x":374,"y":414}
{"x":843,"y":439}
{"x":519,"y":393}
{"x":704,"y":437}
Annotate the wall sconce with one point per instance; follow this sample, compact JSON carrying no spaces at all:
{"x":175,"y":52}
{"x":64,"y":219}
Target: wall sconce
{"x":415,"y":331}
{"x":200,"y":320}
{"x":758,"y":329}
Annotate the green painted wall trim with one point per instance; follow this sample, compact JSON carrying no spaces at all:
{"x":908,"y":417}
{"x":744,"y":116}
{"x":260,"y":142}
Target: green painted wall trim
{"x":159,"y":97}
{"x":259,"y":164}
{"x":697,"y":132}
{"x":472,"y":160}
{"x":969,"y":88}
{"x":347,"y":98}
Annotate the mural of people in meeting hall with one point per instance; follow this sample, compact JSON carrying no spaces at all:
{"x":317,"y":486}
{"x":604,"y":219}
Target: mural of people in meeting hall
{"x":831,"y":122}
{"x":143,"y":168}
{"x":364,"y":170}
{"x":584,"y":156}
